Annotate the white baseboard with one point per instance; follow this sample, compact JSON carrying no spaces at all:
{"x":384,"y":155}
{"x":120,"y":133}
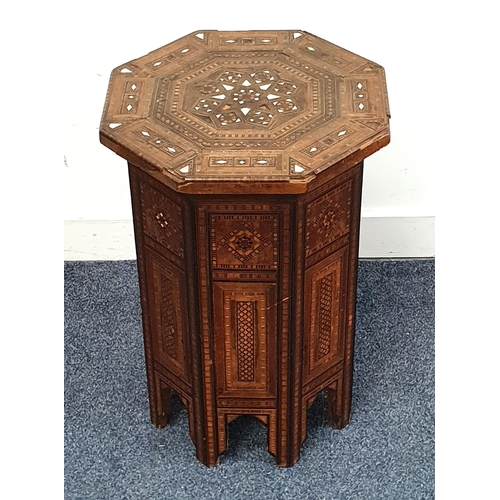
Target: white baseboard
{"x":99,"y":240}
{"x":396,"y":237}
{"x":380,"y":237}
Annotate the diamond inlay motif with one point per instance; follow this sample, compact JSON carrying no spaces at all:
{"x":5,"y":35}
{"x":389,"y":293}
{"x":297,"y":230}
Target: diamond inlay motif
{"x":328,"y":220}
{"x":162,"y":219}
{"x":165,"y":221}
{"x":244,"y":242}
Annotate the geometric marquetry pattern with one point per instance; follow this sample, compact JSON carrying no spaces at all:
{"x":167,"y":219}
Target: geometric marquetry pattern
{"x":312,"y":49}
{"x":328,"y":218}
{"x":328,"y":141}
{"x":279,"y":99}
{"x":131,"y":97}
{"x":171,"y":56}
{"x":323,"y":306}
{"x":327,"y":221}
{"x":162,"y":219}
{"x":244,"y":242}
{"x":361,"y":101}
{"x":229,"y":137}
{"x":325,"y":315}
{"x":245,"y":338}
{"x":168,"y":317}
{"x":165,"y":222}
{"x":153,"y":139}
{"x":245,"y":98}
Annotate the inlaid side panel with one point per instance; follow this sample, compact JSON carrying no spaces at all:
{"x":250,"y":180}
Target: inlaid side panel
{"x":328,"y":218}
{"x":245,"y":264}
{"x":245,"y":339}
{"x":324,"y":313}
{"x":162,"y":221}
{"x":325,"y":320}
{"x":166,"y":293}
{"x":244,"y":241}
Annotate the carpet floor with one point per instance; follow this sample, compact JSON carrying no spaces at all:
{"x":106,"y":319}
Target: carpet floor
{"x":112,"y":451}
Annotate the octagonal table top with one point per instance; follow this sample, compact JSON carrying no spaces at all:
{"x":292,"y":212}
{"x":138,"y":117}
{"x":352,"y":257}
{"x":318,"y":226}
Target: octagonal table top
{"x":256,"y":111}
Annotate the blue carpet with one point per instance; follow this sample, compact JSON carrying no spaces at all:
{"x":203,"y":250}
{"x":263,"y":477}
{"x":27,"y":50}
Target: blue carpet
{"x":112,"y":451}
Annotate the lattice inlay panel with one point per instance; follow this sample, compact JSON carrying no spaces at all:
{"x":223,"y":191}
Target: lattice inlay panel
{"x":167,"y":339}
{"x":245,"y":339}
{"x":325,"y":315}
{"x":235,"y":98}
{"x":324,"y":303}
{"x":166,"y":313}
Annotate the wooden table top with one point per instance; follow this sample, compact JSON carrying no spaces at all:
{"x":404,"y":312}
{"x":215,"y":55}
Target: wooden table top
{"x":246,"y":112}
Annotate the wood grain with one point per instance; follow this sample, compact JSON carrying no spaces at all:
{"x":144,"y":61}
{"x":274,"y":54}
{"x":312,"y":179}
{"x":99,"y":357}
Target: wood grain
{"x":245,"y":154}
{"x":232,"y":112}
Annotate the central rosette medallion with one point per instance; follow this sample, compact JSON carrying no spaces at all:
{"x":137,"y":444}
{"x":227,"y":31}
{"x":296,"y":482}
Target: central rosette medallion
{"x":246,"y":98}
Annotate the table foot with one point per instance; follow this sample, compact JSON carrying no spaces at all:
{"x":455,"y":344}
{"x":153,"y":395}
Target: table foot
{"x":337,"y":412}
{"x":161,"y":412}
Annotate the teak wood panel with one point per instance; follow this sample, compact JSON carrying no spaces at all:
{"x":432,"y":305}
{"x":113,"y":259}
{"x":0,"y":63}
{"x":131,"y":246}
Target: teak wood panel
{"x":339,"y":383}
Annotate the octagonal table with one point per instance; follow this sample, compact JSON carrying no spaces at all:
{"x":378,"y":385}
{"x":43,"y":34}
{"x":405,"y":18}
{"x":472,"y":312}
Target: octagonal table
{"x":245,"y":154}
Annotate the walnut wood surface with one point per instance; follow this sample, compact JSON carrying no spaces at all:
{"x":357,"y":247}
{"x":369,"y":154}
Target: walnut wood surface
{"x":269,"y":111}
{"x":246,"y":200}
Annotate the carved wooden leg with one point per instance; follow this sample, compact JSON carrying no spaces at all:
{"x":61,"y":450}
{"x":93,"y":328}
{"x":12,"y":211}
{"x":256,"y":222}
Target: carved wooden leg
{"x":284,"y":459}
{"x":334,"y":405}
{"x":288,"y":449}
{"x":207,"y":451}
{"x":163,"y":395}
{"x":271,"y":434}
{"x":189,"y":408}
{"x":222,"y":421}
{"x":269,"y":420}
